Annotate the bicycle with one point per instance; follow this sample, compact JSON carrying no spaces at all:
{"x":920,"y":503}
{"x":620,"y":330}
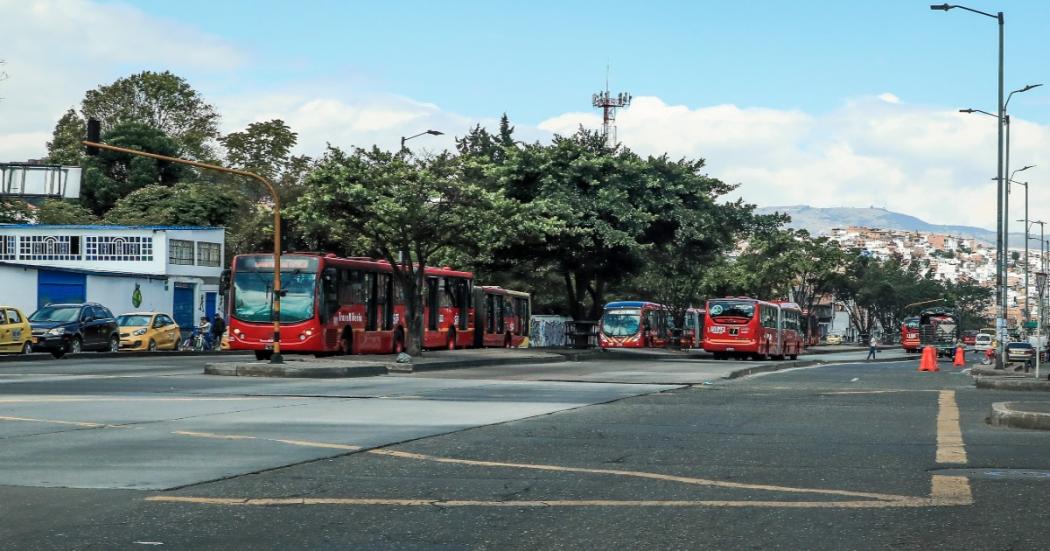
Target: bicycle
{"x":195,"y":342}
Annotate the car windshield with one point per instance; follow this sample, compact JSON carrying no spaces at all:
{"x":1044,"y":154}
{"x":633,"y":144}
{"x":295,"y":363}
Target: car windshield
{"x":133,"y":320}
{"x":56,"y":313}
{"x":730,"y":309}
{"x":253,"y":295}
{"x":621,"y":322}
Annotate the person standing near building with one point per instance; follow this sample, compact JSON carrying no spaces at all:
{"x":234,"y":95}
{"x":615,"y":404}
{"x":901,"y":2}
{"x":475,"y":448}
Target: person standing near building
{"x":872,"y":344}
{"x":218,"y":327}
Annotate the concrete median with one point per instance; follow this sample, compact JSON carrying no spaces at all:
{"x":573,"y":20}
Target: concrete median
{"x":1021,"y":415}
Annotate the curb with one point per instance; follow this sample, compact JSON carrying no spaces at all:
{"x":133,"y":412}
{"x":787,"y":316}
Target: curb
{"x":744,"y":372}
{"x":232,"y":369}
{"x":1012,"y":383}
{"x":1004,"y":415}
{"x":36,"y":357}
{"x":261,"y":369}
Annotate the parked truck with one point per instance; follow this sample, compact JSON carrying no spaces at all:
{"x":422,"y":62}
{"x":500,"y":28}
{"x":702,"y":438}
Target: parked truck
{"x":939,"y":327}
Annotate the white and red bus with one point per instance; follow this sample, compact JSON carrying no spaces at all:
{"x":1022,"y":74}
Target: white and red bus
{"x":331,"y":304}
{"x":502,"y":317}
{"x":910,"y":339}
{"x":693,"y":328}
{"x":744,"y":327}
{"x":635,"y":324}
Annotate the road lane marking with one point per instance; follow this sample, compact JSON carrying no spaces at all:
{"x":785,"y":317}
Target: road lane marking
{"x":64,"y":399}
{"x":300,"y":443}
{"x":83,"y":424}
{"x":951,"y":490}
{"x":950,"y":447}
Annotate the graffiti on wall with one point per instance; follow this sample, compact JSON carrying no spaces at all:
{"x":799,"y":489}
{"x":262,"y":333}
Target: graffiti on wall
{"x":548,"y":331}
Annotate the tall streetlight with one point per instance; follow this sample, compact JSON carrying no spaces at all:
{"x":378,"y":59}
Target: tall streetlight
{"x":1001,"y":272}
{"x":430,"y":132}
{"x":1041,"y":267}
{"x":93,"y":143}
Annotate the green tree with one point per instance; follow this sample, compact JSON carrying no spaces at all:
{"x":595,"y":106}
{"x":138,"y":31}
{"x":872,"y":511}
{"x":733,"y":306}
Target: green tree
{"x":57,"y":211}
{"x":64,"y":147}
{"x":14,"y":211}
{"x":264,"y":148}
{"x":163,"y":101}
{"x":113,"y":175}
{"x":196,"y":204}
{"x":970,"y":300}
{"x":395,"y":206}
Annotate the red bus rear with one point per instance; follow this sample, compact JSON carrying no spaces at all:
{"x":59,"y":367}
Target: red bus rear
{"x":502,"y":317}
{"x":342,"y":305}
{"x":792,"y":330}
{"x":693,"y":328}
{"x":742,"y":327}
{"x":910,"y":339}
{"x":634,"y":324}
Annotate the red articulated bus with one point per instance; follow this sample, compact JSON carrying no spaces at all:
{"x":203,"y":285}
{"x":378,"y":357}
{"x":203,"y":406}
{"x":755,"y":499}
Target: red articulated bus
{"x":744,"y":327}
{"x":910,"y":339}
{"x":635,"y":324}
{"x":502,"y":317}
{"x":331,"y":304}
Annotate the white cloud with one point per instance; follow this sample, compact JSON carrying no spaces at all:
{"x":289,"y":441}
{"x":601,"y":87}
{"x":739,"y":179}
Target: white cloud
{"x":57,"y":49}
{"x":876,"y":151}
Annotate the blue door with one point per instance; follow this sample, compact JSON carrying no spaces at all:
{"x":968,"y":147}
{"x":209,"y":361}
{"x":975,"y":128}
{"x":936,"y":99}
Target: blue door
{"x":209,"y":306}
{"x":182,"y":309}
{"x":59,"y":287}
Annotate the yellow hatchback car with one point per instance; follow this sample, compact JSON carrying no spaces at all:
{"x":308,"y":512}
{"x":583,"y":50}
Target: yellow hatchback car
{"x":15,"y":333}
{"x":150,"y":331}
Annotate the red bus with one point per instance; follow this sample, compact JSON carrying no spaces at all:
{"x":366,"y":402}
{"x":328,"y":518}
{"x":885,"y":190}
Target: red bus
{"x":910,"y":339}
{"x":693,"y":328}
{"x":792,"y":328}
{"x":502,"y":317}
{"x":745,"y":327}
{"x":635,"y":324}
{"x":342,"y":305}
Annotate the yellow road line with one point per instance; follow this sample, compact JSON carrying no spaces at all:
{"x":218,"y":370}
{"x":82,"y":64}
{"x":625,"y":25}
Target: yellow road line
{"x":910,"y":502}
{"x":57,"y":422}
{"x":950,"y":447}
{"x":301,"y":443}
{"x":637,"y":474}
{"x":950,"y":490}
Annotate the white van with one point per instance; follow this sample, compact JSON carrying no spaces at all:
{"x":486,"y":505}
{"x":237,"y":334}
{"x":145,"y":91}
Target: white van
{"x":983,"y":342}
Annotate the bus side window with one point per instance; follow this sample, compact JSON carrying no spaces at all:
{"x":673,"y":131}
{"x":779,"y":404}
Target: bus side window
{"x":372,"y":312}
{"x":385,"y":313}
{"x":432,"y":303}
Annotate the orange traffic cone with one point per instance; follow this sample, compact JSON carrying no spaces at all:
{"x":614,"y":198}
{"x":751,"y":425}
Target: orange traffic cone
{"x":928,"y":362}
{"x":960,"y":357}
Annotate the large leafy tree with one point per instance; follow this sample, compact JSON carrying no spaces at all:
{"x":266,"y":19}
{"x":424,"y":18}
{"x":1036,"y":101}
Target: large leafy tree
{"x":58,"y":211}
{"x":64,"y":147}
{"x":403,"y":208}
{"x":263,"y":147}
{"x":163,"y":101}
{"x":14,"y":211}
{"x":112,"y":175}
{"x":197,"y":204}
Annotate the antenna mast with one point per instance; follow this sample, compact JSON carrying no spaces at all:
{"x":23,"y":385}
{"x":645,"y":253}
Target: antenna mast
{"x":609,"y":104}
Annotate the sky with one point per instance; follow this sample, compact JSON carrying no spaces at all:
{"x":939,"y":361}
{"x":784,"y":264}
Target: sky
{"x":821,"y":103}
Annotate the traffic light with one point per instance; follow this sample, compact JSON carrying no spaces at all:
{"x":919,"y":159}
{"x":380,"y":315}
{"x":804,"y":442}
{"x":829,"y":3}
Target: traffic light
{"x":94,"y":134}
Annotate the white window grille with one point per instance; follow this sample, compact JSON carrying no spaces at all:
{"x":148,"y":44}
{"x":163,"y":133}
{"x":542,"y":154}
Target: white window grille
{"x":209,"y":254}
{"x":8,"y":250}
{"x":180,"y":252}
{"x":49,"y":247}
{"x":119,"y":248}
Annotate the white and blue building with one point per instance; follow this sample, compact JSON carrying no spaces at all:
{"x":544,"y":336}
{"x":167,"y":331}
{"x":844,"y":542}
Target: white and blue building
{"x":170,"y":269}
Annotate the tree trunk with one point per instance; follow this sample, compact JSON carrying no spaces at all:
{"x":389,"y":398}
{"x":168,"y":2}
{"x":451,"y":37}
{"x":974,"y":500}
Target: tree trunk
{"x":575,"y":308}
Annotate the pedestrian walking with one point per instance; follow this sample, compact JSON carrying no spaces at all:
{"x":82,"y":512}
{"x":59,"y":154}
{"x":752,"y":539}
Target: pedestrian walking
{"x":874,"y":342}
{"x":218,"y":327}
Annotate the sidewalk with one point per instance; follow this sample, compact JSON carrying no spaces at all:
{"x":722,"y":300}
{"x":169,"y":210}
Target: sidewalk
{"x":1021,"y":415}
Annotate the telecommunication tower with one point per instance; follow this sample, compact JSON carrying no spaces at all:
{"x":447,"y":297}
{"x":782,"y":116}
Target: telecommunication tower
{"x":609,"y":104}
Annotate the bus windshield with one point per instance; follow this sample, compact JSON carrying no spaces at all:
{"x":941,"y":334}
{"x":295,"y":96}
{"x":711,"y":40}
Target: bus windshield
{"x":621,"y":322}
{"x":253,"y":295}
{"x":730,"y":309}
{"x":911,"y":323}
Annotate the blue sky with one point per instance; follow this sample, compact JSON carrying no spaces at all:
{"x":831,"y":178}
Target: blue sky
{"x":537,"y":58}
{"x":830,"y":103}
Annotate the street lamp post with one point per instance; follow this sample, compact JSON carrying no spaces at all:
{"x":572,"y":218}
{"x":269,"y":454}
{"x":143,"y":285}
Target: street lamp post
{"x":1001,"y":215}
{"x":430,"y":132}
{"x":93,"y":144}
{"x":1039,"y":295}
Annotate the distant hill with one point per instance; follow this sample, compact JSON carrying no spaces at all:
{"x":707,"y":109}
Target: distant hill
{"x":821,"y":220}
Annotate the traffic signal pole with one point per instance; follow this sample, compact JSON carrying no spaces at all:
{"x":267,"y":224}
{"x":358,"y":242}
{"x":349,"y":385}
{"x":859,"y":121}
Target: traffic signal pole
{"x":93,"y":144}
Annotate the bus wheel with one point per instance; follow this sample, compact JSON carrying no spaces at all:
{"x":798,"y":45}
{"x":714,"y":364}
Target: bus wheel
{"x":399,"y":341}
{"x":451,"y":345}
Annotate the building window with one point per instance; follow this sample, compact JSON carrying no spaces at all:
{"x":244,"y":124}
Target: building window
{"x":209,"y":254}
{"x":180,"y":252}
{"x":49,"y":247}
{"x":118,"y":248}
{"x":8,"y":251}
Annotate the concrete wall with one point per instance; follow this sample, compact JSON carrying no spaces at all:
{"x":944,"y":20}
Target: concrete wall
{"x":18,"y":288}
{"x":115,"y":294}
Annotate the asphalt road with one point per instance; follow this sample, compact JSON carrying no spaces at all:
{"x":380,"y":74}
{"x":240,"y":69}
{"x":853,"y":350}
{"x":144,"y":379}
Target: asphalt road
{"x":853,"y":456}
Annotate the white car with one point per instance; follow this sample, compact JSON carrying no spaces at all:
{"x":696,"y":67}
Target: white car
{"x":983,"y":342}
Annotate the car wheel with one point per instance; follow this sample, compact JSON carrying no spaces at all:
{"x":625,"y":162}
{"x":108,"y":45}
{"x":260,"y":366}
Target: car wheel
{"x":76,"y":346}
{"x":27,"y":348}
{"x":152,"y":346}
{"x":114,"y":345}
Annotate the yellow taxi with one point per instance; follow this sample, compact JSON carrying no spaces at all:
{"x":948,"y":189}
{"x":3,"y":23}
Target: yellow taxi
{"x":150,"y":331}
{"x":15,"y":333}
